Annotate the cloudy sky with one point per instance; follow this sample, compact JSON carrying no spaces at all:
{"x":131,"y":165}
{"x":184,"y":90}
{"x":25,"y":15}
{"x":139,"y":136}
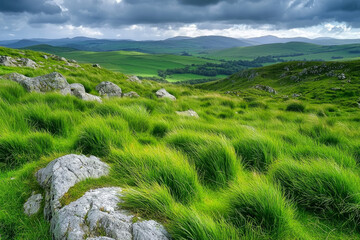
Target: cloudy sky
{"x":160,"y":19}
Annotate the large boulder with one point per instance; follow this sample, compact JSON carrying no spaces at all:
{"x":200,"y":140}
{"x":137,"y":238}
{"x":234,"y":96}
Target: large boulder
{"x":109,"y":89}
{"x":46,"y":83}
{"x":162,"y":93}
{"x":265,"y":88}
{"x":188,"y":113}
{"x":26,"y":62}
{"x":33,"y":204}
{"x":63,"y":173}
{"x":78,"y":90}
{"x":98,"y":211}
{"x":7,"y":61}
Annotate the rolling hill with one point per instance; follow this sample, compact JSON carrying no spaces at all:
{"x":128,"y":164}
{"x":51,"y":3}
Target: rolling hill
{"x":289,"y":51}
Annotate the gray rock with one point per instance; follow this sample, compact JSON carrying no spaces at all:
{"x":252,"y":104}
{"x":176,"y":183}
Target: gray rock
{"x":78,"y":91}
{"x":63,"y":173}
{"x":7,"y":61}
{"x":342,"y":76}
{"x":188,"y":113}
{"x":33,"y":204}
{"x":46,"y":83}
{"x":96,"y":65}
{"x":72,"y":61}
{"x":296,"y":95}
{"x":162,"y":93}
{"x":109,"y":89}
{"x":134,"y":79}
{"x":98,"y":211}
{"x":58,"y":58}
{"x":45,"y":56}
{"x":100,"y":238}
{"x":131,"y":94}
{"x":149,"y":230}
{"x":265,"y":88}
{"x":26,"y":62}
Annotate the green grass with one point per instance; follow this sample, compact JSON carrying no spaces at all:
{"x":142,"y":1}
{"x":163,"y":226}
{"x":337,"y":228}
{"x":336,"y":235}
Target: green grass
{"x":249,"y":168}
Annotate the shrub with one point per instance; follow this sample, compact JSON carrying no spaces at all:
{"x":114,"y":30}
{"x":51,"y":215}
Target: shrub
{"x":158,"y":165}
{"x":256,"y":152}
{"x":321,"y":187}
{"x":263,"y":207}
{"x":295,"y":107}
{"x":213,"y":157}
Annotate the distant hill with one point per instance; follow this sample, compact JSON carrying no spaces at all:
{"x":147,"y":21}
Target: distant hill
{"x":289,"y":51}
{"x":177,"y":45}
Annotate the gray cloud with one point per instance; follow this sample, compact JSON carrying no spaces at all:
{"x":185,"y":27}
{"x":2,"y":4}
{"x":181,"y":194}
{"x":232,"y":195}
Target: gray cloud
{"x":280,"y":14}
{"x":33,"y":6}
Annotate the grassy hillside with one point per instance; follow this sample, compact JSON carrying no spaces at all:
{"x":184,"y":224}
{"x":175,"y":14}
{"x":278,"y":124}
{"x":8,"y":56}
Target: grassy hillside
{"x":128,"y":62}
{"x":316,"y":82}
{"x":289,"y":51}
{"x":252,"y":166}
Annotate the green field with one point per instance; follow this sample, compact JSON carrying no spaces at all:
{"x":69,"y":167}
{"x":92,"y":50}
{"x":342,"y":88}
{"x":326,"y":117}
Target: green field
{"x":133,"y":63}
{"x":254,"y":165}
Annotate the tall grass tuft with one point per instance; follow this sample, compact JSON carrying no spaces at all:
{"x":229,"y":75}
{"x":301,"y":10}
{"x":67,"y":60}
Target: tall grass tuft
{"x":321,"y":187}
{"x":158,"y":165}
{"x":262,"y":207}
{"x":257,"y":152}
{"x":16,"y":150}
{"x":214,"y":157}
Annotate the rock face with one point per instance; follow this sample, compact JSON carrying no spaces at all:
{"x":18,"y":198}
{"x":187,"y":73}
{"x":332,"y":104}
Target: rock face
{"x":46,"y":83}
{"x":188,"y":113}
{"x":109,"y":89}
{"x":96,"y":215}
{"x":149,"y":230}
{"x":20,"y":62}
{"x":162,"y":93}
{"x":33,"y":204}
{"x":98,"y":211}
{"x":78,"y":91}
{"x":134,"y":79}
{"x":131,"y":94}
{"x":265,"y":88}
{"x":63,"y":173}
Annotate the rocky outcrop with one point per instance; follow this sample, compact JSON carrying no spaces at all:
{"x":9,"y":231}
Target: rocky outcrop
{"x":134,"y":79}
{"x":162,"y":93}
{"x":109,"y":89}
{"x":19,"y":62}
{"x":265,"y":88}
{"x":63,"y":173}
{"x":46,"y":83}
{"x":33,"y":204}
{"x":97,"y":214}
{"x":96,"y":65}
{"x":131,"y":94}
{"x":188,"y":113}
{"x":342,"y":76}
{"x":78,"y":91}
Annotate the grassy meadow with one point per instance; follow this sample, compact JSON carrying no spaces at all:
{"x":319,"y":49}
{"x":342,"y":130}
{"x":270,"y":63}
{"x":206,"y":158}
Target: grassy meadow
{"x":252,"y":166}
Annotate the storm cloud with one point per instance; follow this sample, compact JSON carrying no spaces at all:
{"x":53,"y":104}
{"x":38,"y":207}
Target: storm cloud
{"x":120,"y":14}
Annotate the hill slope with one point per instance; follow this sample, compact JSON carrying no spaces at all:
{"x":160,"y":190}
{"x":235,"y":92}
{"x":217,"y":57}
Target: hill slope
{"x":250,"y":167}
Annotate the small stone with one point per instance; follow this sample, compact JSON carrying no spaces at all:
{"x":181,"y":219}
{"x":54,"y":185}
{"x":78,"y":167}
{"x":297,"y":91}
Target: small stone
{"x":162,"y":93}
{"x":188,"y":113}
{"x":131,"y":94}
{"x":33,"y":204}
{"x":96,"y":65}
{"x":134,"y":79}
